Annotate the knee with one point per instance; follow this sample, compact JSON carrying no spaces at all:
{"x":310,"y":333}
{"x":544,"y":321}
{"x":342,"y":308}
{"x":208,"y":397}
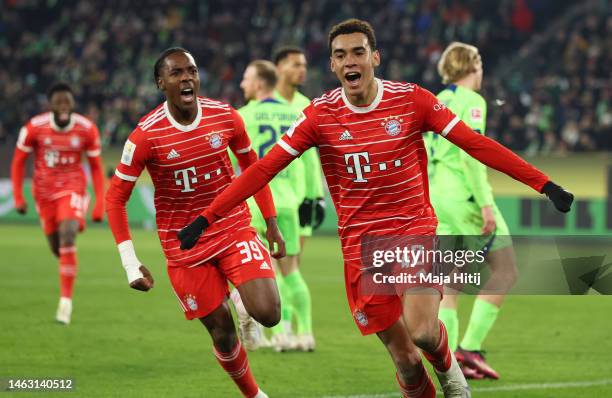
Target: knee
{"x":268,"y":314}
{"x":424,"y":335}
{"x":224,"y":340}
{"x":406,"y":361}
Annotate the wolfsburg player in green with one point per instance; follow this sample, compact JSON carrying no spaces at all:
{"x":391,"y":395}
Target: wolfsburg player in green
{"x":266,"y":120}
{"x":463,"y":202}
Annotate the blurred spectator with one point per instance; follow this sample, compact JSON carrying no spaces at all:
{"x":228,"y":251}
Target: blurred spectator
{"x":107,"y":49}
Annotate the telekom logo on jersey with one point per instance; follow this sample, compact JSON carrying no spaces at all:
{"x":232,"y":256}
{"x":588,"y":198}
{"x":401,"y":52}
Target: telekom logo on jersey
{"x":358,"y":163}
{"x":187,"y":177}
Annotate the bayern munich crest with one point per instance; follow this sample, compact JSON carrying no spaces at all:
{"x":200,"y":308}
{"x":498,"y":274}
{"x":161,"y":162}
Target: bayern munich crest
{"x":216,"y":140}
{"x":191,"y":302}
{"x":393,"y":125}
{"x":361,"y":317}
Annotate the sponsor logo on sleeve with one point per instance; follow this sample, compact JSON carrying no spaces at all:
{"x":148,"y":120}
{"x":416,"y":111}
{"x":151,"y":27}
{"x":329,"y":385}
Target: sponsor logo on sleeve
{"x":476,"y":114}
{"x":128,"y":153}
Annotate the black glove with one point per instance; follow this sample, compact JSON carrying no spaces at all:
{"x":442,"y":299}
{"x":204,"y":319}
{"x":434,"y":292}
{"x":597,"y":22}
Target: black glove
{"x":191,"y":233}
{"x":305,"y":212}
{"x":319,"y":213}
{"x":559,"y":196}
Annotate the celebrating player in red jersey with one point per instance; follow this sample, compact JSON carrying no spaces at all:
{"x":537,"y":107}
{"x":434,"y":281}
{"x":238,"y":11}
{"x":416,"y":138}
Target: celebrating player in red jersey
{"x":369,"y":136}
{"x":183,"y":144}
{"x":58,"y":138}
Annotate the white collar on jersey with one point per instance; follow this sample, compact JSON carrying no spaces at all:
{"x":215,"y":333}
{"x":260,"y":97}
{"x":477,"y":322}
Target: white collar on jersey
{"x":57,"y":128}
{"x":182,"y":127}
{"x":365,"y":109}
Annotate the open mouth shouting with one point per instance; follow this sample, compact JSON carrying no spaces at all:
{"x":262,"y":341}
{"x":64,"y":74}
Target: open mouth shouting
{"x":353,"y":79}
{"x":187,"y":95}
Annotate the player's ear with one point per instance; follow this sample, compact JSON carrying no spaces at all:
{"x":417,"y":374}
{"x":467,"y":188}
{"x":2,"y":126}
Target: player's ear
{"x":376,"y":58}
{"x":331,"y":64}
{"x":160,"y":84}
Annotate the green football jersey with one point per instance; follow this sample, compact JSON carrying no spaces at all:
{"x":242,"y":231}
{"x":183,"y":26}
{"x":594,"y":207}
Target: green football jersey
{"x":310,"y":158}
{"x":452,"y":172}
{"x":266,"y":121}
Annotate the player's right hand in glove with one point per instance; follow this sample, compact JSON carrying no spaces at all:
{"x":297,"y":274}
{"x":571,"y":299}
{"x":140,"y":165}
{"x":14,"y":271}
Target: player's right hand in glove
{"x":561,"y":198}
{"x":190,"y":234}
{"x":319,"y":213}
{"x":305,"y":212}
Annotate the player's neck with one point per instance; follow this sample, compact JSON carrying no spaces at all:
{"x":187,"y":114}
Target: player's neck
{"x":184,"y":116}
{"x":468,"y":82}
{"x":366,"y":97}
{"x":263,"y":95}
{"x":286,"y":90}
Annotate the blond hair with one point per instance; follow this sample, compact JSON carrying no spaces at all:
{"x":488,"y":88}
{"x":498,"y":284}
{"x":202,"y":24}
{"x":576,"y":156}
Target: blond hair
{"x":457,"y":61}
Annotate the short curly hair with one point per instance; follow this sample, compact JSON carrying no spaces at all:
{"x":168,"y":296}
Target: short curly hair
{"x":352,"y":25}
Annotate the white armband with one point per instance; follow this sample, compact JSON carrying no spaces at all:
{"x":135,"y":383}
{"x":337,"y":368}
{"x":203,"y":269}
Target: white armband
{"x":130,"y":262}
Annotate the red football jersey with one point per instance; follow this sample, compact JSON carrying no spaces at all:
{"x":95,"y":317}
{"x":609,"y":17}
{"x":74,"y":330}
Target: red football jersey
{"x":189,"y":166}
{"x":57,"y":160}
{"x":374,"y":159}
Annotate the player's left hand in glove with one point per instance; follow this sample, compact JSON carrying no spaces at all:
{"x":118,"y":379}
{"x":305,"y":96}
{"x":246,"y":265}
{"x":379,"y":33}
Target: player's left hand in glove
{"x":191,"y":233}
{"x":319,"y":215}
{"x":561,"y":198}
{"x":97,"y":214}
{"x":305,"y":212}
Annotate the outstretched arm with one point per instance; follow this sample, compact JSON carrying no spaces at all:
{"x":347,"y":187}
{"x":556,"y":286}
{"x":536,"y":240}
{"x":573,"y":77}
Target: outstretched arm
{"x":300,"y":136}
{"x":439,"y":119}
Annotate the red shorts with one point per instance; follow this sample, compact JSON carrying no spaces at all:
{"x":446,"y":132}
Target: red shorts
{"x":376,"y":304}
{"x":68,"y":207}
{"x":203,"y":288}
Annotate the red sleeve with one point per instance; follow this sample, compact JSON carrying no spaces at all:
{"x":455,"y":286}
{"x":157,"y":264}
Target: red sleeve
{"x":97,"y":172}
{"x":136,"y":153}
{"x":17,"y":175}
{"x":240,"y":144}
{"x":248,"y":183}
{"x":116,"y":197}
{"x":496,"y":156}
{"x":27,"y":138}
{"x":438,"y":118}
{"x":300,"y":136}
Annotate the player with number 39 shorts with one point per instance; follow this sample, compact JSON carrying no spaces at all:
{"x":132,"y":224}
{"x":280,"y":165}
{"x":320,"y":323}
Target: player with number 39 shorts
{"x":183,"y":144}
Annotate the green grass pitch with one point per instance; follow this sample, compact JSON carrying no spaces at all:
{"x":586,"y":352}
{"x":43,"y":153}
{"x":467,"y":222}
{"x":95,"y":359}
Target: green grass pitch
{"x":124,"y":343}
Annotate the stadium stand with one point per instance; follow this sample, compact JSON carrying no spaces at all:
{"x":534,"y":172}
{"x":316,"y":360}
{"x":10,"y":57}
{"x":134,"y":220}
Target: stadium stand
{"x":558,"y":101}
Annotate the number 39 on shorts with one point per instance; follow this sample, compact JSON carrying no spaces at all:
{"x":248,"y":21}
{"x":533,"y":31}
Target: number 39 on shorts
{"x":250,"y":250}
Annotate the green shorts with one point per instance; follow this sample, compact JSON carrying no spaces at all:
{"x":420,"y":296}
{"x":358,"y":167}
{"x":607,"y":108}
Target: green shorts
{"x":289,"y":225}
{"x":464,"y":218}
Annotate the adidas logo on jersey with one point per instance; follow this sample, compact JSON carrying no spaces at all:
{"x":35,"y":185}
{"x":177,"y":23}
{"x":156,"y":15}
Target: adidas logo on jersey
{"x":346,"y":136}
{"x":173,"y":155}
{"x":264,"y":265}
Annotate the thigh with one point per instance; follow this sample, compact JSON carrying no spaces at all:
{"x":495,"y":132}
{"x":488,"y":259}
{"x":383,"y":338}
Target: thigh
{"x":372,"y":313}
{"x":199,"y":290}
{"x":73,"y":207}
{"x":420,"y":307}
{"x":245,"y":260}
{"x":47,"y":211}
{"x":54,"y":242}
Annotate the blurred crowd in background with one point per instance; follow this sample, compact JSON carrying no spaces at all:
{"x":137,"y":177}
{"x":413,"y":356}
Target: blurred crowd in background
{"x":556,"y":97}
